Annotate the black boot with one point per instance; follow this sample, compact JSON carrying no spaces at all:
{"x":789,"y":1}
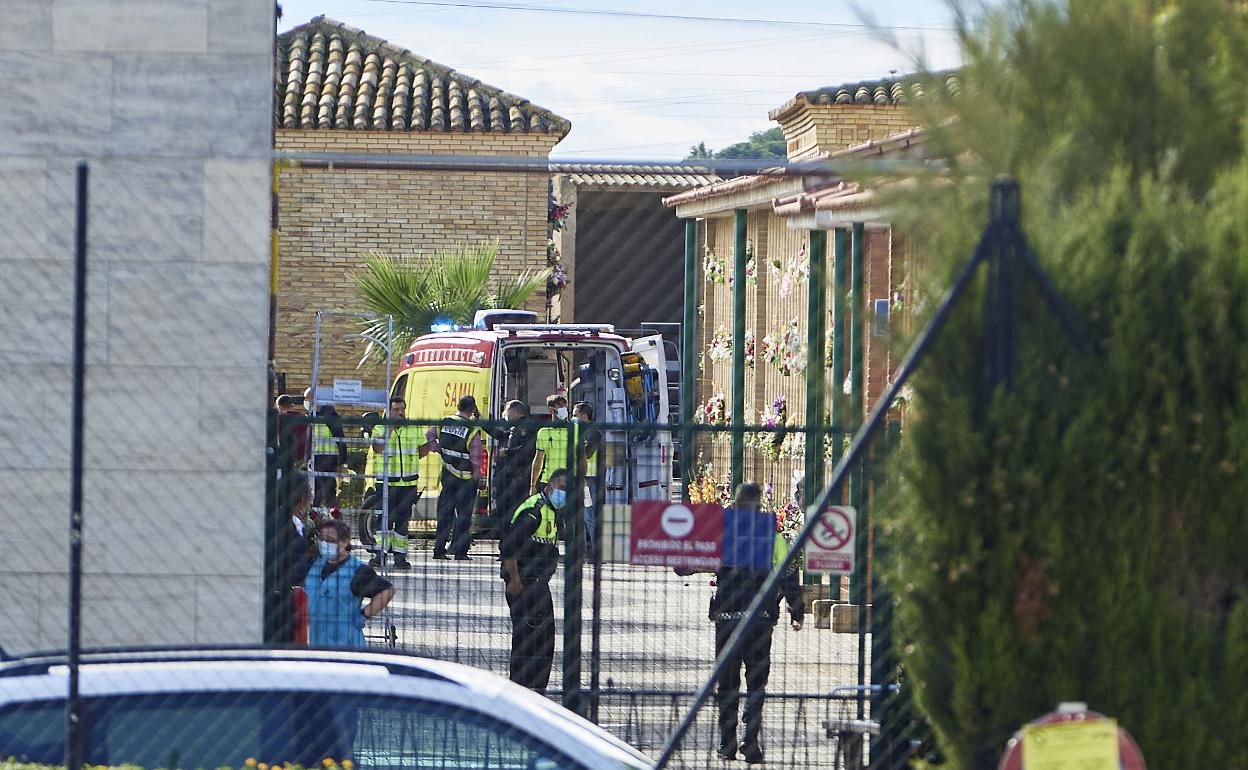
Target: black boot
{"x":751,"y":752}
{"x":727,"y":745}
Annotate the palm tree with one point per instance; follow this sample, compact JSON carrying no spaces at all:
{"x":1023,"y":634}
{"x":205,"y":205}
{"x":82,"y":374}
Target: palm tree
{"x":447,"y":287}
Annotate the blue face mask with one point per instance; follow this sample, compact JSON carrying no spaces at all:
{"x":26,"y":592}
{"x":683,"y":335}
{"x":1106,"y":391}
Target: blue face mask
{"x":329,"y":550}
{"x":558,"y":497}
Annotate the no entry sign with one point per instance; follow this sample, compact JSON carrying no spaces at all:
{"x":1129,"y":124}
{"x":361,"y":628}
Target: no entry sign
{"x":831,"y":545}
{"x":674,"y":535}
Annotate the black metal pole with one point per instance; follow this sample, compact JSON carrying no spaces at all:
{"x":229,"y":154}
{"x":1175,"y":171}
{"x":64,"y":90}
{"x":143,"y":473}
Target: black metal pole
{"x":595,"y":622}
{"x":75,"y":728}
{"x":573,"y":563}
{"x":813,"y":513}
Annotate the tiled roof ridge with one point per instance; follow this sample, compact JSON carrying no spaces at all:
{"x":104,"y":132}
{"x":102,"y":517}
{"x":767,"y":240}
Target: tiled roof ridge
{"x":751,"y":181}
{"x":344,"y":77}
{"x":892,"y":90}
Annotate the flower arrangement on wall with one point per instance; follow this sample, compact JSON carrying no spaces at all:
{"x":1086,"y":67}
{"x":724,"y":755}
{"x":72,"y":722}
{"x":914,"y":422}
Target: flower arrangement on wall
{"x":713,"y":267}
{"x":790,"y":273}
{"x":707,"y":486}
{"x":557,"y":214}
{"x":714,"y":411}
{"x":749,"y":352}
{"x":720,"y":348}
{"x":790,"y":354}
{"x":558,"y":279}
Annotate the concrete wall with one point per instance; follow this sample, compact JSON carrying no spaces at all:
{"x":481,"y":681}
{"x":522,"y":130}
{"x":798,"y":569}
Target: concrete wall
{"x":169,"y":102}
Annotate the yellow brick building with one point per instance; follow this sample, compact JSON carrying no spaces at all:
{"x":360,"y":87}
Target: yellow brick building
{"x":340,"y":90}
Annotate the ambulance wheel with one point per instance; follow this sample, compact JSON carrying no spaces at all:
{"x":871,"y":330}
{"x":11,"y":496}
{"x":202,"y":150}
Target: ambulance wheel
{"x":366,"y":525}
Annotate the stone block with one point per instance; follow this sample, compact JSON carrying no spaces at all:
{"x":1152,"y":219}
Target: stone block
{"x":229,"y":610}
{"x":845,"y":618}
{"x":36,"y":510}
{"x":52,"y":103}
{"x":21,"y":605}
{"x":27,"y":25}
{"x":130,"y":25}
{"x":146,"y":210}
{"x":178,"y":315}
{"x":137,"y":610}
{"x":175,"y":523}
{"x":23,"y":195}
{"x":236,"y":211}
{"x":167,"y":104}
{"x":35,"y":412}
{"x":36,"y":313}
{"x":159,"y":420}
{"x":239,"y":26}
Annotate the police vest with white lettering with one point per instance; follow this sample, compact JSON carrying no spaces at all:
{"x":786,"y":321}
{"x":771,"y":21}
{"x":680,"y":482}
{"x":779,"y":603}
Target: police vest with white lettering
{"x":455,"y":440}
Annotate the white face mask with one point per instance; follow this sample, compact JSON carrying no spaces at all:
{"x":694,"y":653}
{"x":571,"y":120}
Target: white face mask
{"x":329,"y":550}
{"x":307,"y":405}
{"x":562,"y":413}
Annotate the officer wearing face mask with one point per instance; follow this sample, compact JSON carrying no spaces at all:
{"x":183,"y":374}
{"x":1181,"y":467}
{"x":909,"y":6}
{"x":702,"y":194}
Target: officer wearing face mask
{"x":530,"y":555}
{"x":552,"y":444}
{"x":337,"y":583}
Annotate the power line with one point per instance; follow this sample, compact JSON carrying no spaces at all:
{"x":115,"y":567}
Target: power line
{"x":665,"y":16}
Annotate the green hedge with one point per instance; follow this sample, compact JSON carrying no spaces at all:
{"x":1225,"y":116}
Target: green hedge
{"x":1082,"y":537}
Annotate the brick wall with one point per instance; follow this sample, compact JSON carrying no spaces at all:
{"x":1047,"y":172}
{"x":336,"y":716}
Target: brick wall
{"x":818,"y":128}
{"x":328,"y":219}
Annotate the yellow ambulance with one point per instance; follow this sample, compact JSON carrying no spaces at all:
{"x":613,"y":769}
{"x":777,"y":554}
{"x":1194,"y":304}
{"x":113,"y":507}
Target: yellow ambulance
{"x":508,"y":354}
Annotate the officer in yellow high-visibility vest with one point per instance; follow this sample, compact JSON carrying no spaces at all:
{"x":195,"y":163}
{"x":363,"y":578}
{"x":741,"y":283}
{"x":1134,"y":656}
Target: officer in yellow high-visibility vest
{"x":329,"y":451}
{"x":552,"y":444}
{"x":530,"y":555}
{"x":403,"y":446}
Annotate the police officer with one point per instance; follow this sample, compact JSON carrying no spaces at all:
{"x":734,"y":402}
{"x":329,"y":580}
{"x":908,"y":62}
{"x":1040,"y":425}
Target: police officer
{"x":530,"y":555}
{"x":329,"y":451}
{"x":552,"y":444}
{"x":516,"y":447}
{"x":735,"y":589}
{"x":403,"y":446}
{"x":463,"y":452}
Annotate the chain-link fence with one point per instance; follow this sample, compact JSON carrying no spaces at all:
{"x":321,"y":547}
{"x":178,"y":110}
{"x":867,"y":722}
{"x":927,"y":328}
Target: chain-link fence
{"x":628,"y":636}
{"x":189,"y":540}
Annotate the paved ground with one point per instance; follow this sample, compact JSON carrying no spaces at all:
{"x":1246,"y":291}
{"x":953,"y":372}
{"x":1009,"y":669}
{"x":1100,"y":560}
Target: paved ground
{"x":655,"y":639}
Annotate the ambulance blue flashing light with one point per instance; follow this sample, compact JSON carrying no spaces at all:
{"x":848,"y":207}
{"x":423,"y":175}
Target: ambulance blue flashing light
{"x":443,"y":325}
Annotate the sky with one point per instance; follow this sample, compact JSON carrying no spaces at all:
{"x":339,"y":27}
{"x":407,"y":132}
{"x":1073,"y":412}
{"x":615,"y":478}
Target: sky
{"x":640,"y":87}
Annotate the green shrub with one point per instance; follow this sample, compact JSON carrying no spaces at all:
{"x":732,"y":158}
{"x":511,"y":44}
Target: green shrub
{"x":1082,"y":536}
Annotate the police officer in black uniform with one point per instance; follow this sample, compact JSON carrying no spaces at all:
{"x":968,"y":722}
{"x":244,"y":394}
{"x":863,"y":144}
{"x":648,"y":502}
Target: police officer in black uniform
{"x":530,"y":555}
{"x":461,"y":446}
{"x":517,"y":445}
{"x":735,"y":589}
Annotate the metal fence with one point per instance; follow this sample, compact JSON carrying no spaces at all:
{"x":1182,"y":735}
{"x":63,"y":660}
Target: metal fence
{"x":634,"y":642}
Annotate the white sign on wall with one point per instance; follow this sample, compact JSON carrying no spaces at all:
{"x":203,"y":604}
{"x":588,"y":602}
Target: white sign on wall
{"x":830,"y":548}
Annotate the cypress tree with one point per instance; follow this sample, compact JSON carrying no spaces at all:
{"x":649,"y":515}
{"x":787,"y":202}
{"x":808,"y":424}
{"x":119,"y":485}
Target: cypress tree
{"x":1083,"y":535}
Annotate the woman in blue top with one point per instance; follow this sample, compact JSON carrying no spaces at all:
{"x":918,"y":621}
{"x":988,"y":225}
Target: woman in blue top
{"x":337,"y":582}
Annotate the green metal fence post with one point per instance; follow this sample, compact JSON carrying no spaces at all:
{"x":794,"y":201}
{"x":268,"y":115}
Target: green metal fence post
{"x":738,"y":346}
{"x":812,"y":481}
{"x":688,"y":356}
{"x":840,"y":285}
{"x":857,"y":489}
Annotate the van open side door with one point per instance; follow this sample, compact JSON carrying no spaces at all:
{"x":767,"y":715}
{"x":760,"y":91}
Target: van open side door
{"x":652,"y":457}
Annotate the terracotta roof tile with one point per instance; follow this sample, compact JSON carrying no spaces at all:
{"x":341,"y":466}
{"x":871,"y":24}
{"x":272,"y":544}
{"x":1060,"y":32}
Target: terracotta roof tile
{"x":624,"y":176}
{"x":888,"y":91}
{"x":332,"y":75}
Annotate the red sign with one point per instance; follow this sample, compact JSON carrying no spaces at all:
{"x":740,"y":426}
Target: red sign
{"x":675,"y":535}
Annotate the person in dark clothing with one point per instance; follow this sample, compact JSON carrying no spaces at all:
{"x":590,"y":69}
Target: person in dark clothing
{"x":291,"y":436}
{"x":329,"y":451}
{"x":530,"y":556}
{"x":589,"y":452}
{"x":515,"y":450}
{"x":462,"y":447}
{"x":300,"y":547}
{"x":735,"y":589}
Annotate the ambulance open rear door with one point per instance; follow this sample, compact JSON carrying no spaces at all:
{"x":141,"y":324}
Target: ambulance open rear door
{"x":652,"y":450}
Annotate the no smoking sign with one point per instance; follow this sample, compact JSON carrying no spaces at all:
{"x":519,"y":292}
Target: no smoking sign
{"x":831,"y":545}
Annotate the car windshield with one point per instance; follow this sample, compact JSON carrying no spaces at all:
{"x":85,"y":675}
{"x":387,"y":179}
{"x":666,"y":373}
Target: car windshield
{"x":226,"y":729}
